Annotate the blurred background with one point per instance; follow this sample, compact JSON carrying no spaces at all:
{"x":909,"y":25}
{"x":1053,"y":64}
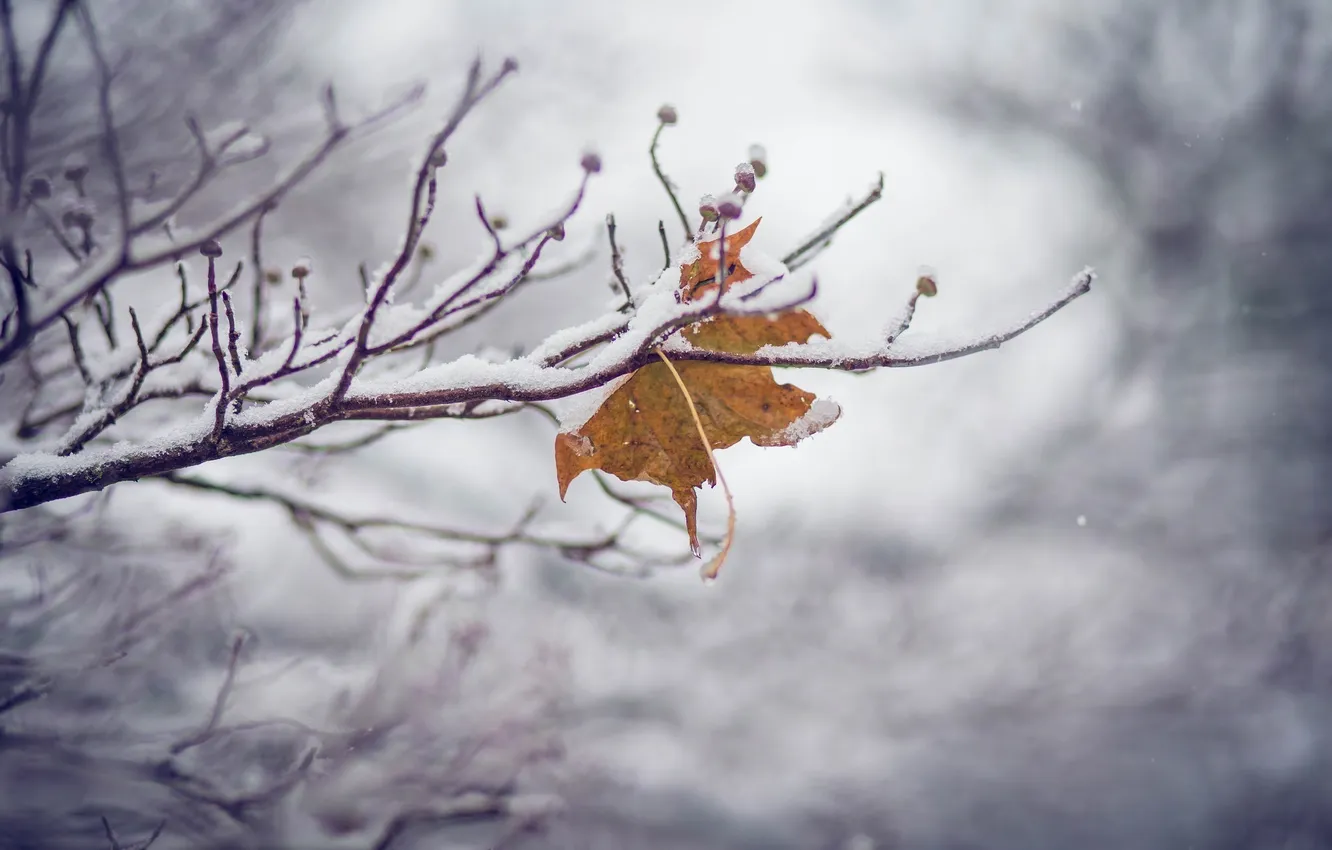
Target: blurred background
{"x":1070,"y":593}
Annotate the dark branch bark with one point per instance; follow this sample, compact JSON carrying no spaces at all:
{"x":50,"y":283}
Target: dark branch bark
{"x":26,"y":490}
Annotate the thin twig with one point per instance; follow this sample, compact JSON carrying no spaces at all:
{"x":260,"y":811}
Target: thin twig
{"x":219,"y":415}
{"x":219,"y":702}
{"x":617,"y":264}
{"x":233,"y":335}
{"x":821,"y":239}
{"x":152,"y":838}
{"x":109,"y":137}
{"x":257,"y":317}
{"x":421,"y":206}
{"x":106,"y":316}
{"x":209,"y":167}
{"x":77,"y":348}
{"x":565,"y":268}
{"x":666,"y":183}
{"x":56,"y":231}
{"x":110,"y":834}
{"x":100,"y":273}
{"x":298,"y":328}
{"x":488,"y":225}
{"x":138,"y":339}
{"x":455,"y":303}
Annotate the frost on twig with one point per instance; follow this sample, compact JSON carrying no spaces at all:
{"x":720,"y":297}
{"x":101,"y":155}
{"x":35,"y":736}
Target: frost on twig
{"x":235,"y":378}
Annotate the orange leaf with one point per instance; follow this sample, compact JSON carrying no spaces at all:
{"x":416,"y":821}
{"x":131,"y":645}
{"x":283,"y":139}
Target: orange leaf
{"x":644,"y":430}
{"x":696,"y":277}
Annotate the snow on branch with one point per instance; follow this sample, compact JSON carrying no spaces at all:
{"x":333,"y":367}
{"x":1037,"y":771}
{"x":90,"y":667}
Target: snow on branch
{"x":230,"y":376}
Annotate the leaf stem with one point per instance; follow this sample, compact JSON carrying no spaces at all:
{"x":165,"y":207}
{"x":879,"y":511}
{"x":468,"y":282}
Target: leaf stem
{"x":709,"y":570}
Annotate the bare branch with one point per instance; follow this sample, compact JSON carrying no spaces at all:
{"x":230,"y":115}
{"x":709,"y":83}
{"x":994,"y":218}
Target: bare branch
{"x":76,"y":348}
{"x":56,"y":231}
{"x":233,"y":335}
{"x":330,"y":104}
{"x":466,"y":808}
{"x":298,"y":328}
{"x":43,"y":56}
{"x":260,"y":279}
{"x":138,"y":339}
{"x":570,"y":362}
{"x":212,"y":251}
{"x":110,"y":834}
{"x":110,"y":138}
{"x":101,"y":271}
{"x":313,"y":519}
{"x":219,"y":702}
{"x":369,"y":438}
{"x":566,"y":268}
{"x":479,"y":306}
{"x":209,"y":167}
{"x":421,"y":206}
{"x":152,"y":838}
{"x":617,"y":263}
{"x":128,"y":400}
{"x":823,"y":237}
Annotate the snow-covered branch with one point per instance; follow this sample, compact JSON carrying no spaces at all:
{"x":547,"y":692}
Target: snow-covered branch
{"x":266,"y":381}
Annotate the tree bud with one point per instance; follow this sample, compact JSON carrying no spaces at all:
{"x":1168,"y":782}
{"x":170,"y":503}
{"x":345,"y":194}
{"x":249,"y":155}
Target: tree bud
{"x":730,"y":206}
{"x":76,"y":168}
{"x":39,"y":188}
{"x":707,"y":207}
{"x":745,"y":177}
{"x":758,"y":158}
{"x":927,"y":282}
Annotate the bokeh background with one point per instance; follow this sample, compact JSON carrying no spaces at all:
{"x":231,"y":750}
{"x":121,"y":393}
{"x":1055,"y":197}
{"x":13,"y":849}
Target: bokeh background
{"x":1071,"y":593}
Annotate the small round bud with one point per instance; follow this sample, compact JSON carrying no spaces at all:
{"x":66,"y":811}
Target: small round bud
{"x":758,"y":158}
{"x":591,"y":162}
{"x":667,"y":114}
{"x":272,"y":277}
{"x":499,"y":221}
{"x":438,"y":159}
{"x":707,"y":207}
{"x":745,"y":178}
{"x":77,"y":216}
{"x":301,"y":269}
{"x":556,"y":232}
{"x":425,"y":251}
{"x":730,"y":206}
{"x":510,"y":65}
{"x":39,"y":188}
{"x":211,"y":249}
{"x":927,"y":282}
{"x":76,"y":168}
